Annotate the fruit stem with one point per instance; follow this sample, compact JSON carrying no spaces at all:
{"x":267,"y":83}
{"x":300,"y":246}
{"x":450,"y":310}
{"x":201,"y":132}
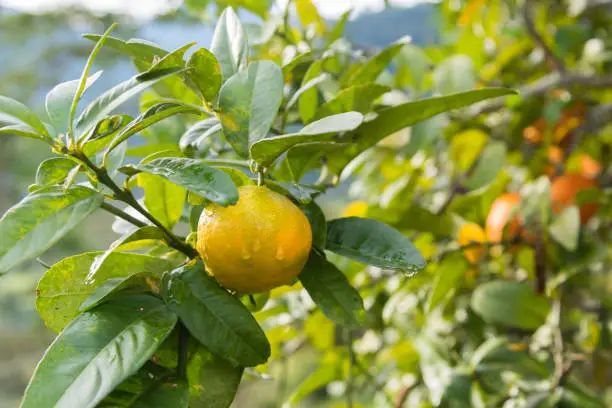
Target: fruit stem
{"x":260,"y":177}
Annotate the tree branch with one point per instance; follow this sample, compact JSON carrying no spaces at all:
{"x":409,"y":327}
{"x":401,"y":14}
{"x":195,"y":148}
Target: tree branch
{"x":122,"y":214}
{"x":537,"y":38}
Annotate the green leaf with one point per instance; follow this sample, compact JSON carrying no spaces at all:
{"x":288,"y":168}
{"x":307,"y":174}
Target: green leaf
{"x":308,"y":85}
{"x":97,"y":351}
{"x":266,"y":151}
{"x":164,"y":200}
{"x":373,"y":243}
{"x":217,"y":319}
{"x":153,"y":115}
{"x":82,"y":85}
{"x":147,"y":232}
{"x":248,"y":104}
{"x":198,"y":132}
{"x":306,"y":156}
{"x":455,"y":74}
{"x":53,"y":171}
{"x":21,"y":130}
{"x":371,"y":70}
{"x":40,"y":220}
{"x":147,"y":378}
{"x":318,"y":224}
{"x":565,"y":228}
{"x":65,"y":286}
{"x":300,"y":192}
{"x":331,"y":291}
{"x":391,"y":120}
{"x":172,"y":394}
{"x":137,"y":49}
{"x":359,"y":98}
{"x":327,"y":372}
{"x":60,"y":98}
{"x":229,"y":44}
{"x":112,"y":288}
{"x":309,"y":99}
{"x":512,"y":304}
{"x":17,"y":113}
{"x":116,"y":96}
{"x":448,"y":277}
{"x":297,"y":60}
{"x":309,"y":16}
{"x":214,"y":380}
{"x":336,"y":32}
{"x":205,"y":72}
{"x":491,"y":162}
{"x":195,"y":176}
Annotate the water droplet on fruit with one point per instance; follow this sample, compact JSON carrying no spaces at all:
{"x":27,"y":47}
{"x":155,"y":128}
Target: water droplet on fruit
{"x":280,"y":254}
{"x":246,"y":254}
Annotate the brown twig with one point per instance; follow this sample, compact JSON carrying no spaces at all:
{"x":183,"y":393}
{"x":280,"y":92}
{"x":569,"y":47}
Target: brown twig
{"x":540,"y":262}
{"x":402,"y":397}
{"x":537,"y":38}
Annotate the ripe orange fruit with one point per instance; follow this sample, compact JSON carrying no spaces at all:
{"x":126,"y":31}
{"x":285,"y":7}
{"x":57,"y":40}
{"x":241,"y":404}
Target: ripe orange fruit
{"x":533,"y":133}
{"x":468,"y":234}
{"x":563,"y":193}
{"x":499,"y":216}
{"x":570,"y":119}
{"x":258,"y":244}
{"x":589,"y":167}
{"x":555,"y":157}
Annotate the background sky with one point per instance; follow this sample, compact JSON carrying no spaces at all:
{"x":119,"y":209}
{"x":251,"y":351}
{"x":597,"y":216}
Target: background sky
{"x":149,"y":8}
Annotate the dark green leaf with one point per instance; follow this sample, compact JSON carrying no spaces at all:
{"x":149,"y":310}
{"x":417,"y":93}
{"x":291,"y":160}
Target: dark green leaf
{"x":318,"y":224}
{"x":65,"y":286}
{"x":53,"y":171}
{"x":217,"y":319}
{"x":509,"y":303}
{"x":266,"y":151}
{"x":113,"y":287}
{"x":215,"y":381}
{"x":331,"y":291}
{"x":248,"y":104}
{"x":448,"y":277}
{"x":116,"y":96}
{"x":205,"y":72}
{"x":359,"y":98}
{"x":147,"y":378}
{"x":97,"y":351}
{"x":171,"y":394}
{"x":391,"y":120}
{"x":229,"y":44}
{"x":17,"y":113}
{"x":195,"y":176}
{"x":60,"y":98}
{"x":373,"y":243}
{"x":40,"y":220}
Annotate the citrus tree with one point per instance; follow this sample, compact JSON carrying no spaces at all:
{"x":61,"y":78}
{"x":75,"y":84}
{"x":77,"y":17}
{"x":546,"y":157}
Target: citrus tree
{"x":226,"y":264}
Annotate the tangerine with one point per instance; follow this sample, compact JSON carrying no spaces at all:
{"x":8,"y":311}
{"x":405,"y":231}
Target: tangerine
{"x":499,"y":216}
{"x":472,"y":233}
{"x":564,"y":190}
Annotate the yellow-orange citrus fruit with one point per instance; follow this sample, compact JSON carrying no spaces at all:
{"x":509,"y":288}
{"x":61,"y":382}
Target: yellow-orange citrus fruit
{"x":533,"y":133}
{"x":499,"y":216}
{"x":471,"y":233}
{"x":563,"y":193}
{"x":589,"y":167}
{"x":258,"y":244}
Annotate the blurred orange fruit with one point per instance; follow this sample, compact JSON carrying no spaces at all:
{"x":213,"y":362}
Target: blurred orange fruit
{"x":571,"y":118}
{"x":499,"y":216}
{"x":564,"y":190}
{"x":472,"y":233}
{"x":555,"y":157}
{"x":589,"y":167}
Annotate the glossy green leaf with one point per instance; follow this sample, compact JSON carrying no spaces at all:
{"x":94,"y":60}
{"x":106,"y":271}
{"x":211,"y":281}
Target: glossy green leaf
{"x":373,"y":243}
{"x":195,"y":176}
{"x":307,"y":156}
{"x":217,"y":380}
{"x":53,"y":171}
{"x":116,"y":96}
{"x":248,"y":104}
{"x":217,"y":319}
{"x":205,"y":73}
{"x":97,"y":351}
{"x":147,"y":232}
{"x":302,"y":193}
{"x":137,"y":49}
{"x":331,"y":291}
{"x":359,"y":98}
{"x":229,"y":44}
{"x":490,"y":163}
{"x":318,"y":224}
{"x":163,"y":199}
{"x":309,"y":99}
{"x":65,"y":286}
{"x":115,"y":287}
{"x":169,"y":394}
{"x":147,"y":378}
{"x":391,"y":120}
{"x":448,"y":278}
{"x":512,"y":304}
{"x":152,"y":116}
{"x":17,"y":113}
{"x":372,"y":69}
{"x":198,"y":132}
{"x":565,"y":228}
{"x":41,"y":219}
{"x":266,"y":151}
{"x":60,"y":98}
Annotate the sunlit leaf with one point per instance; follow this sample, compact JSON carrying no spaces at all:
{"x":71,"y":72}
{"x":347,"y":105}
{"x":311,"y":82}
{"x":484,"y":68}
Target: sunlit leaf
{"x":229,"y":44}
